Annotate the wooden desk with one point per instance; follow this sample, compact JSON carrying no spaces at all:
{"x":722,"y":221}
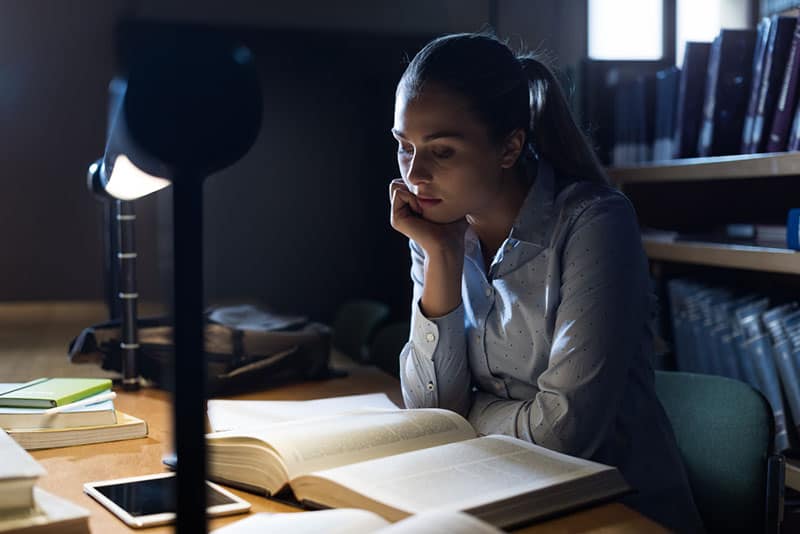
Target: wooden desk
{"x":68,"y":468}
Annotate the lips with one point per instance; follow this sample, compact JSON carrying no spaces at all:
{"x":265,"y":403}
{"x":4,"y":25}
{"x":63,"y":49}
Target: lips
{"x":428,"y":202}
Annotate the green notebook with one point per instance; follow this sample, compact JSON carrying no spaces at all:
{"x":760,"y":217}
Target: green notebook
{"x":50,"y":392}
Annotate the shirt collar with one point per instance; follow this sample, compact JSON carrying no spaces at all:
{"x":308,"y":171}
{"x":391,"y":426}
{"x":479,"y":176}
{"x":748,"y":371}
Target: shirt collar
{"x":530,"y":224}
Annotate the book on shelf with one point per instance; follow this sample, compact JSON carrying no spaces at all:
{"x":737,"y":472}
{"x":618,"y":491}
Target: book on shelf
{"x":52,"y":392}
{"x":727,"y":89}
{"x":691,"y":92}
{"x":760,"y":50}
{"x":18,"y":474}
{"x":774,"y":63}
{"x":717,"y":331}
{"x":50,"y":515}
{"x":401,"y":462}
{"x":666,"y":101}
{"x":355,"y":521}
{"x":125,"y":427}
{"x":99,"y":413}
{"x":787,"y":99}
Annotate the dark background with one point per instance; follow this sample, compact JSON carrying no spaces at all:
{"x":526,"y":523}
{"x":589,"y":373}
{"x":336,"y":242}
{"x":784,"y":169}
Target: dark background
{"x":301,"y":222}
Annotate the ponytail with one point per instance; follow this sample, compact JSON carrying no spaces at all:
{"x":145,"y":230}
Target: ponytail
{"x":508,"y":93}
{"x":553,"y":133}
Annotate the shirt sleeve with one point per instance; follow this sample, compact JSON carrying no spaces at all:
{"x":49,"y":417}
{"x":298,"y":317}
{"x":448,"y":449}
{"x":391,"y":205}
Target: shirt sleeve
{"x":434,"y":372}
{"x":599,"y":329}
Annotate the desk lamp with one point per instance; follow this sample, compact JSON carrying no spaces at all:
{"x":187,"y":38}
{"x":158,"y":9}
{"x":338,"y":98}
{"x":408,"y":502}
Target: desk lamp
{"x":192,"y":106}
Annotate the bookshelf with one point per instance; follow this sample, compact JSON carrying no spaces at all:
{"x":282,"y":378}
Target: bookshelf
{"x":753,"y":258}
{"x":756,"y":171}
{"x":769,"y":181}
{"x":743,"y":166}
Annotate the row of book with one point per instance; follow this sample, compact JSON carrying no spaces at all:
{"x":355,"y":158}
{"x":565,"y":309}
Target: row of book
{"x":737,"y":95}
{"x":745,"y":337}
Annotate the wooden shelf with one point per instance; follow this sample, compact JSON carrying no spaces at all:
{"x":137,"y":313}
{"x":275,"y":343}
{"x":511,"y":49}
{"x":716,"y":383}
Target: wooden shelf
{"x":716,"y":168}
{"x":777,"y":260}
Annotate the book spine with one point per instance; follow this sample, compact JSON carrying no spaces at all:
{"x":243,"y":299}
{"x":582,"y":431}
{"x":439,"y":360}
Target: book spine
{"x":764,"y":363}
{"x":787,"y":100}
{"x":758,"y":67}
{"x":709,"y":103}
{"x":691,"y":93}
{"x":780,"y":40}
{"x":789,"y":377}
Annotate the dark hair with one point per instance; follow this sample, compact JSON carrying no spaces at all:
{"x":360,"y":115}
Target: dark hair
{"x":508,"y":92}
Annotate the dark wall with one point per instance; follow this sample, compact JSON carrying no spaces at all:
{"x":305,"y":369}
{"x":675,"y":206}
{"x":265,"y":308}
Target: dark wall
{"x":301,"y":222}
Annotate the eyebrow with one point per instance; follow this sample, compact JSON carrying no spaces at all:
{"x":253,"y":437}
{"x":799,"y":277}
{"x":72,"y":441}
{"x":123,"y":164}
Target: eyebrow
{"x":434,"y":135}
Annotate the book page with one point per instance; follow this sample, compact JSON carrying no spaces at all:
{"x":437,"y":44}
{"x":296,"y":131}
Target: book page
{"x":247,"y":414}
{"x":341,"y":521}
{"x":315,"y":444}
{"x":439,"y":521}
{"x":456,"y":476}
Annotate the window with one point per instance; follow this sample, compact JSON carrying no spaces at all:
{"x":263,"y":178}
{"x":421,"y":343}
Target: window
{"x":701,"y":20}
{"x":626,"y":29}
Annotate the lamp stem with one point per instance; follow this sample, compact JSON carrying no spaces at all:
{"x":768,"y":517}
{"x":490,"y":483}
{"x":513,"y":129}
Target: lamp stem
{"x":128,"y":295}
{"x":190,"y":364}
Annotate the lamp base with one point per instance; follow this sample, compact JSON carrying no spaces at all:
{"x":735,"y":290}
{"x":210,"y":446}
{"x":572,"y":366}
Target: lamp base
{"x":131,"y":384}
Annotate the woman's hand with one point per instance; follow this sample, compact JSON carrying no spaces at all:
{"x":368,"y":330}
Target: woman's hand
{"x":406,"y":217}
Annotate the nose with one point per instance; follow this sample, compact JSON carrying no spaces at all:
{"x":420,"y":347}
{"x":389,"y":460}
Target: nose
{"x":418,"y":171}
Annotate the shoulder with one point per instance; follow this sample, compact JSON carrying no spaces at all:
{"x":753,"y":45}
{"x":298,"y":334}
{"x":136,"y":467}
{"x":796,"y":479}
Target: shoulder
{"x":582,"y":200}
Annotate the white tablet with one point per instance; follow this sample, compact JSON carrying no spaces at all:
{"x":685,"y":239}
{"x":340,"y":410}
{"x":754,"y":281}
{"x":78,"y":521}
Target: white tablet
{"x":149,"y":500}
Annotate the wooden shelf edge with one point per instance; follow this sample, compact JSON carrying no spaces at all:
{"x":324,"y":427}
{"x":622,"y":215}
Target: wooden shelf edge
{"x":752,"y":258}
{"x":716,"y":168}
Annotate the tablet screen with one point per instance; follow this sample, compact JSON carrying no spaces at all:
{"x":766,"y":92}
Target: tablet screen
{"x":153,"y":496}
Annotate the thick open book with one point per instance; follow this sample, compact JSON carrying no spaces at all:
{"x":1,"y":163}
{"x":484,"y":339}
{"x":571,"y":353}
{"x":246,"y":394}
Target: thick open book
{"x":402,"y":462}
{"x":354,"y":521}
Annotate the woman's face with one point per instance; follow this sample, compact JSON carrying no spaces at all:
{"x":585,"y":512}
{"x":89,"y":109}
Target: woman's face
{"x":445,"y":155}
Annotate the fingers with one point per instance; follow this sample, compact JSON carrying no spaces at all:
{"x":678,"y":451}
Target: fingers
{"x":400,"y":196}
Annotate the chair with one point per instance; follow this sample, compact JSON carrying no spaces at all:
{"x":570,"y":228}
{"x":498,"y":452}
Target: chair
{"x":386,"y":346}
{"x":355,"y":323}
{"x":724,"y":430}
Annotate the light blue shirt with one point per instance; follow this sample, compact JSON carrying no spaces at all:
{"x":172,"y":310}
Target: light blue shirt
{"x":554,"y":345}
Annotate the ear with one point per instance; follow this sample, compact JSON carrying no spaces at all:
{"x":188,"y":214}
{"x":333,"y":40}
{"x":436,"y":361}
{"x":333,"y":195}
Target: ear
{"x":512,"y":148}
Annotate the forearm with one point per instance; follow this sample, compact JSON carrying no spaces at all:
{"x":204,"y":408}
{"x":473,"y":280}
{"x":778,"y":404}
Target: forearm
{"x":441,"y":292}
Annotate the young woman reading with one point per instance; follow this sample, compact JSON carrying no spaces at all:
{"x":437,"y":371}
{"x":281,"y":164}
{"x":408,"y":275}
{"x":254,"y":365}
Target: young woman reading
{"x":532,"y":299}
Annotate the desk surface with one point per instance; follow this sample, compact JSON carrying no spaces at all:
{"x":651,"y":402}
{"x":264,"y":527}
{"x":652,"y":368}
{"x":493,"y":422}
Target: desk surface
{"x":68,"y":468}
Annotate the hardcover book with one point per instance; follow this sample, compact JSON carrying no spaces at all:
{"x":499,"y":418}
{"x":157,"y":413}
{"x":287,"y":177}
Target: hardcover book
{"x":99,"y":413}
{"x":727,"y":88}
{"x":787,"y":99}
{"x":401,"y":462}
{"x":774,"y":65}
{"x":762,"y":38}
{"x":691,"y":91}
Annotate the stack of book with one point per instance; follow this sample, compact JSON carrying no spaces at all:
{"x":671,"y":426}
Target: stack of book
{"x":26,"y":509}
{"x":744,"y":337}
{"x":59,"y":412}
{"x":735,"y":95}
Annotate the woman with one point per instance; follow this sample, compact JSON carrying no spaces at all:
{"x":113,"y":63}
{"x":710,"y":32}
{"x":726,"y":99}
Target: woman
{"x":532,"y":299}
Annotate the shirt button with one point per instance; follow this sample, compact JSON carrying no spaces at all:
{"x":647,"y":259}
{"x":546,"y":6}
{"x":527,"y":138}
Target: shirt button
{"x":430,"y":337}
{"x":488,"y":291}
{"x":430,"y":386}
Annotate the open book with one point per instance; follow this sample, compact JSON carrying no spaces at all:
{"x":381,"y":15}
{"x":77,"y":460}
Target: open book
{"x":402,"y":462}
{"x":352,"y":521}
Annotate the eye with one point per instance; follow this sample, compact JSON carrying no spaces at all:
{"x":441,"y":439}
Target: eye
{"x":442,"y":153}
{"x":404,"y":149}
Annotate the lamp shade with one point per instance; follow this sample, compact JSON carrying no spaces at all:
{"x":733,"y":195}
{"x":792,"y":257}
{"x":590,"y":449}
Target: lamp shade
{"x":191,"y":106}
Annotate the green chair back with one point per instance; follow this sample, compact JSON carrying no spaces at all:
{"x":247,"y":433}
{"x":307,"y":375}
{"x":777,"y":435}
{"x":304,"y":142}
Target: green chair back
{"x":386,"y":346}
{"x":724,"y":432}
{"x":356,"y":322}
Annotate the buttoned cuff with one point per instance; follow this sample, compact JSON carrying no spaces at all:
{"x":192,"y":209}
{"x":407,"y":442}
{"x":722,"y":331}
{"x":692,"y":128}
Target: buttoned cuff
{"x":427,"y":332}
